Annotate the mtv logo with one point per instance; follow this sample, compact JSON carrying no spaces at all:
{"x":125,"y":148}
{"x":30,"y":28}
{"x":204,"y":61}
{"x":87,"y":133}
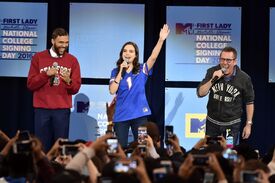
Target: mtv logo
{"x":82,"y":106}
{"x":195,"y":125}
{"x":184,"y":28}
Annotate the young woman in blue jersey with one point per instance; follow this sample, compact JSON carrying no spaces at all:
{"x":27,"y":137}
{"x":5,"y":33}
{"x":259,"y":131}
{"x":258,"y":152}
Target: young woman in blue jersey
{"x":128,"y":83}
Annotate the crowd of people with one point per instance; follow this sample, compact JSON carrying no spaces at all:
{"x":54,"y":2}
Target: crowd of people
{"x":23,"y":159}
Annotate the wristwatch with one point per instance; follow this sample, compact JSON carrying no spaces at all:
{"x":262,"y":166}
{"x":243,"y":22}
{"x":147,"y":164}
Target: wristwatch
{"x":249,"y":122}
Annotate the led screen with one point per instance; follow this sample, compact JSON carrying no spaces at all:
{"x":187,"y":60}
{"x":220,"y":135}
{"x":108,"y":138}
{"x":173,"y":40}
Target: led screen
{"x":197,"y":36}
{"x":99,"y":30}
{"x":23,"y":33}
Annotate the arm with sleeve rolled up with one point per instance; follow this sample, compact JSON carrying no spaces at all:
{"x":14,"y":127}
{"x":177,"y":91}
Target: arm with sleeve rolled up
{"x":82,"y":157}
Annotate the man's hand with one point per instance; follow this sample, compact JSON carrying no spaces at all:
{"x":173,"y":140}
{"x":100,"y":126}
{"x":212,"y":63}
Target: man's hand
{"x":66,"y":77}
{"x":246,"y":131}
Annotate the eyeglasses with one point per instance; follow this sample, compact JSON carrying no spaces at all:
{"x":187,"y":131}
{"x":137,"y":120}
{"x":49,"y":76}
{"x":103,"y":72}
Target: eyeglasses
{"x":228,"y":60}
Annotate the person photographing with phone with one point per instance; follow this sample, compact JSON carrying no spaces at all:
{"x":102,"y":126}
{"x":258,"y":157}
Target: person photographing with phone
{"x":229,"y":88}
{"x":128,"y":83}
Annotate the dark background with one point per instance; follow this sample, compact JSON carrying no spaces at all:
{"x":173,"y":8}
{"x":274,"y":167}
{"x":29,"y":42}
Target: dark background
{"x":16,"y":101}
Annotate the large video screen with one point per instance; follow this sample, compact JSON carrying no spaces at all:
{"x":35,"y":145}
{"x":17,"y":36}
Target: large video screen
{"x":23,"y":30}
{"x":98,"y":32}
{"x":271,"y":74}
{"x":187,"y":113}
{"x":197,"y":36}
{"x":88,"y":115}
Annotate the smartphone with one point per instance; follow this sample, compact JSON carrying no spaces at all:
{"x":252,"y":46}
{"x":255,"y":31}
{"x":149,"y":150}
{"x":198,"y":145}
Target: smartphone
{"x":125,"y":166}
{"x":23,"y":144}
{"x":213,"y":140}
{"x":142,"y":148}
{"x":142,"y":134}
{"x":24,"y":135}
{"x":231,"y":155}
{"x":159,"y":173}
{"x":167,"y":164}
{"x":169,"y":132}
{"x":248,"y":176}
{"x":112,"y":145}
{"x":208,"y":177}
{"x":200,"y":159}
{"x":69,"y":150}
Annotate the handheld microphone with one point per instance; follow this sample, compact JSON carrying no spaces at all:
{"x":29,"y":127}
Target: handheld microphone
{"x":217,"y":77}
{"x":124,"y":69}
{"x":55,"y":65}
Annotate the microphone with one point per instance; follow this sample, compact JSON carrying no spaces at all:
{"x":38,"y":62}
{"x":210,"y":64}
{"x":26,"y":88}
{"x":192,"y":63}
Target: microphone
{"x":55,"y":65}
{"x":124,"y":69}
{"x":217,"y":77}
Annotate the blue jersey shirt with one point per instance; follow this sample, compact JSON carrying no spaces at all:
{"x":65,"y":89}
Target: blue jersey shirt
{"x":131,"y":101}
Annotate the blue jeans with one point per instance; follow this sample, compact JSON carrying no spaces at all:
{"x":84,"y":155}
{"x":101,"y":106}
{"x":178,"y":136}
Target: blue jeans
{"x":51,"y":124}
{"x":122,"y":129}
{"x":217,"y":130}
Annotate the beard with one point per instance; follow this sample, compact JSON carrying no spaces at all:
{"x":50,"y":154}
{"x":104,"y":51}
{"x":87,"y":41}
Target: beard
{"x":59,"y":50}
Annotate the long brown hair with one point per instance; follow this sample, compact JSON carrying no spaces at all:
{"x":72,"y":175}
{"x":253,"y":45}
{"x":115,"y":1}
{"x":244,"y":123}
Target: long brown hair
{"x":136,"y":64}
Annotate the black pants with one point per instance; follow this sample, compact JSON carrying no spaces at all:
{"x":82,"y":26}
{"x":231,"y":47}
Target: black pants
{"x":218,"y":130}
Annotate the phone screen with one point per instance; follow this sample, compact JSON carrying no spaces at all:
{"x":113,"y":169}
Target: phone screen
{"x":112,"y":145}
{"x":125,"y":166}
{"x":200,"y":159}
{"x":169,"y":131}
{"x":249,"y":176}
{"x":24,"y":135}
{"x":142,"y":134}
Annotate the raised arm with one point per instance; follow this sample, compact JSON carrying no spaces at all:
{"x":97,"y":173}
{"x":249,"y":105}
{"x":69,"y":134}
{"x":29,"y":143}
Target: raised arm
{"x":164,"y":32}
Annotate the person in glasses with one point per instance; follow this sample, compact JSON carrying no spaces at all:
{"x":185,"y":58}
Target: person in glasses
{"x":229,"y":88}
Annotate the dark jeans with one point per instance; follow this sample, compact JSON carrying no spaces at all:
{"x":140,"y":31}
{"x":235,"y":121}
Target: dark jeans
{"x":51,"y":124}
{"x":217,"y":130}
{"x":122,"y":129}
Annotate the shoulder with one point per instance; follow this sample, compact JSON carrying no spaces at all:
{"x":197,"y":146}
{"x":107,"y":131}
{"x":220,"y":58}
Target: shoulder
{"x":242,"y":73}
{"x":44,"y":53}
{"x":41,"y":53}
{"x":214,"y":68}
{"x":114,"y":71}
{"x":72,"y":57}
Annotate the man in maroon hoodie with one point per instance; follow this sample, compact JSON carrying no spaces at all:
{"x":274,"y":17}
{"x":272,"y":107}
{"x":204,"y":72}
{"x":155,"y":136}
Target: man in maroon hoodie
{"x":54,"y":76}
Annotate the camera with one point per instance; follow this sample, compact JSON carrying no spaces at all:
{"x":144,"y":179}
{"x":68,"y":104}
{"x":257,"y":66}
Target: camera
{"x":200,"y":159}
{"x":249,"y":176}
{"x":213,"y":140}
{"x":142,"y":134}
{"x":125,"y":166}
{"x":112,"y":145}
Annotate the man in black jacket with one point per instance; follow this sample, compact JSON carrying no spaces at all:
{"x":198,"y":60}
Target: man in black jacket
{"x":228,"y":87}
